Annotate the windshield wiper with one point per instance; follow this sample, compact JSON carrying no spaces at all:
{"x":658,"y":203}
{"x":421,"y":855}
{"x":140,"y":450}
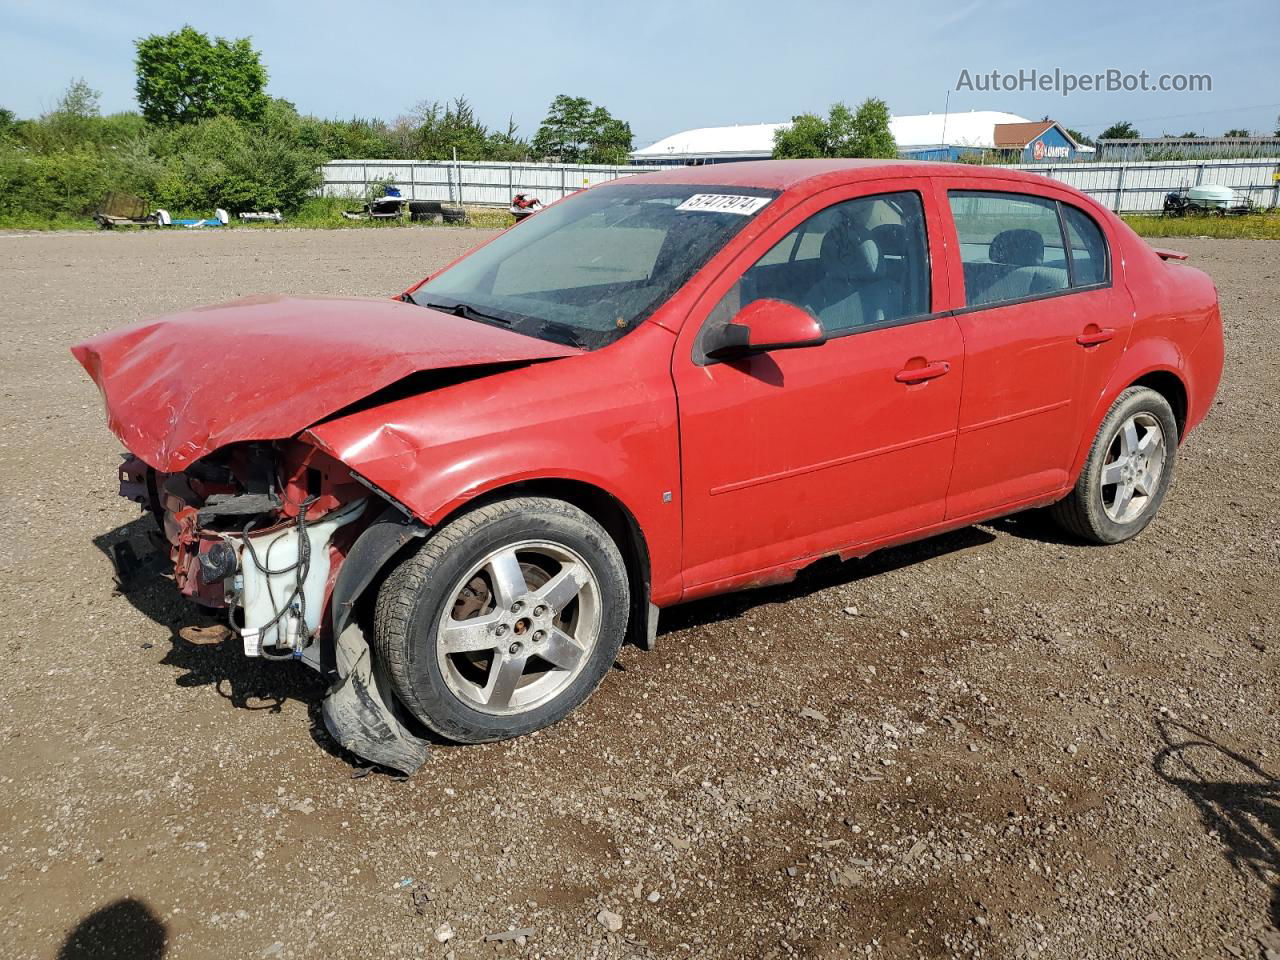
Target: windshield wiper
{"x":561,"y":333}
{"x":468,"y":312}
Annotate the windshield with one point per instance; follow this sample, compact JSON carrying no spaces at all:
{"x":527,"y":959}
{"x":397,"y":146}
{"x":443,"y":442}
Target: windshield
{"x":589,"y":269}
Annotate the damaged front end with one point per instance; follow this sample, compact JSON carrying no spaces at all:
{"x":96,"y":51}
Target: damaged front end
{"x":285,"y":539}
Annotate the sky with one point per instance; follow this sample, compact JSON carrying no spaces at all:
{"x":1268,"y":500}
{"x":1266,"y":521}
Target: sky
{"x":669,"y":65}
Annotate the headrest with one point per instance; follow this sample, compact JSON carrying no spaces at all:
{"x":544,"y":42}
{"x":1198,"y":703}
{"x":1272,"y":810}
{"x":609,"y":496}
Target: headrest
{"x":850,"y":254}
{"x":1022,"y":248}
{"x":891,"y":238}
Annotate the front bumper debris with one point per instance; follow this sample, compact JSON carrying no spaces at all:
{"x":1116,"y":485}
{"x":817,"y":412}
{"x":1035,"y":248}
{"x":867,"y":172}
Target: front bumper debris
{"x":357,"y":712}
{"x":289,"y":583}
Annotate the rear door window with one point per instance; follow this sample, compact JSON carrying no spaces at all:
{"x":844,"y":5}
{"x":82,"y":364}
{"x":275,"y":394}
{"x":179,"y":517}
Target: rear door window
{"x":1011,"y":246}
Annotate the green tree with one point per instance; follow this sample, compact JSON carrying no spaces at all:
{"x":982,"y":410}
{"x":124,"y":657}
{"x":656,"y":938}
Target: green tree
{"x":564,"y":132}
{"x":184,"y":77}
{"x":1237,"y":132}
{"x":1122,"y":130}
{"x":871,"y":135}
{"x":79,"y":100}
{"x":1189,"y":135}
{"x":577,"y":131}
{"x":610,"y":139}
{"x":71,"y":125}
{"x":446,"y":127}
{"x":506,"y":147}
{"x":354,"y":139}
{"x":844,"y":133}
{"x":808,"y":136}
{"x":1079,"y":137}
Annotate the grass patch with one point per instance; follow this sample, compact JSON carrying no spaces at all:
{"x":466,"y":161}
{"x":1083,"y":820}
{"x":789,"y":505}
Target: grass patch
{"x":1252,"y":226}
{"x":31,"y":221}
{"x":316,"y":213}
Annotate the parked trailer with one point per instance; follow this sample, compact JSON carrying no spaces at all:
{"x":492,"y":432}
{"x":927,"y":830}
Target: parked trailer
{"x":124,"y":210}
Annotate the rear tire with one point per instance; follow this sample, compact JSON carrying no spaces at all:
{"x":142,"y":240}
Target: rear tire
{"x":1127,"y":473}
{"x":503,"y":621}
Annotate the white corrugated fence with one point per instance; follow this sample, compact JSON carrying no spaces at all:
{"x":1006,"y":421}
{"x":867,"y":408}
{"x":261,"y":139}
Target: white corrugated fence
{"x":1127,"y":187}
{"x":1140,"y":187}
{"x":480,"y":183}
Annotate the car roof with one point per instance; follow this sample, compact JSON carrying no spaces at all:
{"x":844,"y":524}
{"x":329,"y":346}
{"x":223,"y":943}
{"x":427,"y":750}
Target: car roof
{"x":785,"y":174}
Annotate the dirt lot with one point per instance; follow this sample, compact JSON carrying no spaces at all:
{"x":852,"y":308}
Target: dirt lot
{"x":1014,"y":746}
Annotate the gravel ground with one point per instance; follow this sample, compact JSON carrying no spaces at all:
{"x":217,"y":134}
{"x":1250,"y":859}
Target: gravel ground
{"x":992,"y":744}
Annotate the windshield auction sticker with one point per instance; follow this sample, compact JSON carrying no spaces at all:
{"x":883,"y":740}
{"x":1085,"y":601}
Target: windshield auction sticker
{"x":723,"y":203}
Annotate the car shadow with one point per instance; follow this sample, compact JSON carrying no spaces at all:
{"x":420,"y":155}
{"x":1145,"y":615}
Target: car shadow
{"x":820,"y":575}
{"x":124,"y":930}
{"x":255,"y":684}
{"x":1035,"y":525}
{"x":1238,"y":801}
{"x":247,"y":683}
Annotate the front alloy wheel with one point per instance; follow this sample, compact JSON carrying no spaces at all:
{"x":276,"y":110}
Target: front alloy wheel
{"x":503,"y":621}
{"x":520,"y":627}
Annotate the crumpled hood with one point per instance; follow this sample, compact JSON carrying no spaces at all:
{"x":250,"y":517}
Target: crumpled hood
{"x":264,"y":368}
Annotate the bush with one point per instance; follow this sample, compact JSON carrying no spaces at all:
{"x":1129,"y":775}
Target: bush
{"x":240,"y":166}
{"x":62,"y":165}
{"x":51,"y":185}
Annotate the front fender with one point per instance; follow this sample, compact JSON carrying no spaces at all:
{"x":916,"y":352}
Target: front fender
{"x":605,"y":419}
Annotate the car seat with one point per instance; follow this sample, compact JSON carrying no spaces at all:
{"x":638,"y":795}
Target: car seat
{"x":852,"y":291}
{"x":1020,"y":254}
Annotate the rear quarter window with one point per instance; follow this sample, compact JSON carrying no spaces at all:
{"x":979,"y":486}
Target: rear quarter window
{"x":1090,"y":262}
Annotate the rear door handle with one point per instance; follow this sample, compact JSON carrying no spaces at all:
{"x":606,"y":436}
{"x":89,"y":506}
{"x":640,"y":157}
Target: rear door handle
{"x":920,"y":374}
{"x":1091,"y":338}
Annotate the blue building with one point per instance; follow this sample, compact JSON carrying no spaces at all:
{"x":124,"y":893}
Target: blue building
{"x":1036,"y":142}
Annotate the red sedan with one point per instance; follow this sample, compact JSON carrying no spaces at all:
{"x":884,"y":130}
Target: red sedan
{"x":458,"y":503}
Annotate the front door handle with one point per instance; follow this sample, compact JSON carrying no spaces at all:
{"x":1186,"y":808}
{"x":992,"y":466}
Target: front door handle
{"x":1091,"y":338}
{"x":920,"y":374}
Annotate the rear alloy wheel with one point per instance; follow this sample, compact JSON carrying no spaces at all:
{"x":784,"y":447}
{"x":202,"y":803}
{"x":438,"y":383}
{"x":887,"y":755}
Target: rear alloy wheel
{"x":1127,"y":473}
{"x":503,"y":621}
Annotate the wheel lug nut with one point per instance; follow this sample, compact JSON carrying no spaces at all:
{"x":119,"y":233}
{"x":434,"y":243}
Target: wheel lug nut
{"x":517,"y":606}
{"x":539,"y":611}
{"x":515,"y":648}
{"x":539,"y":636}
{"x":501,"y":629}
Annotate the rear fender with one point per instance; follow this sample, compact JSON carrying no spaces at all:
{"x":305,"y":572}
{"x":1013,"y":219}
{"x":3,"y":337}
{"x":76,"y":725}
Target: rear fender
{"x":1143,"y":358}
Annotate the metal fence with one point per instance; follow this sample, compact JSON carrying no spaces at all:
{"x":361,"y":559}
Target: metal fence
{"x":1130,"y":187}
{"x":480,"y":183}
{"x":1140,"y":187}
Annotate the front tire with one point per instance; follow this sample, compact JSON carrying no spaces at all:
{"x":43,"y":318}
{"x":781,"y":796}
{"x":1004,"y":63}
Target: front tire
{"x":503,"y":621}
{"x":1127,"y":473}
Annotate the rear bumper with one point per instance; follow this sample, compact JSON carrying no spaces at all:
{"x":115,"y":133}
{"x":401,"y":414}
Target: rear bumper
{"x":1204,"y":372}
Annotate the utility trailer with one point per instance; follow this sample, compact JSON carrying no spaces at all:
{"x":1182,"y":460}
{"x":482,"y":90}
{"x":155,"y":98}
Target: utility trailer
{"x":124,"y":210}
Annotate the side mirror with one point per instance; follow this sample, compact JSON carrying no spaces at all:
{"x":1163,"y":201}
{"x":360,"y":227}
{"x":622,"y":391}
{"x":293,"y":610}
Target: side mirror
{"x":761,"y":326}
